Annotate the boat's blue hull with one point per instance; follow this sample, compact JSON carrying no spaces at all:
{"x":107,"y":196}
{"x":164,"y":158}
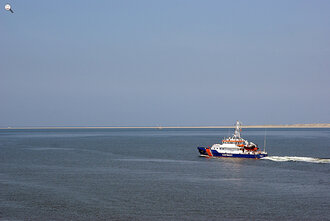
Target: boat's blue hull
{"x":213,"y":153}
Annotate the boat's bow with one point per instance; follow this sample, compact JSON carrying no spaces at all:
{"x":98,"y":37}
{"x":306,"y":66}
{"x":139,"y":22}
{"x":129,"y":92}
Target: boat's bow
{"x":204,"y":151}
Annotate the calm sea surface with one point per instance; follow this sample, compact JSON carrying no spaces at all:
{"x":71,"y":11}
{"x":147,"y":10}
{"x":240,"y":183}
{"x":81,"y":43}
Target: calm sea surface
{"x":150,"y":174}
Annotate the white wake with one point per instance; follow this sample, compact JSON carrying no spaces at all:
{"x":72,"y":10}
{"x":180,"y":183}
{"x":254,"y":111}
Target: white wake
{"x":297,"y":159}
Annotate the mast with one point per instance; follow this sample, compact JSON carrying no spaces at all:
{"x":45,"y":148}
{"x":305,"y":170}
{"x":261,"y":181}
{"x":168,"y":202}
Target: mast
{"x":237,"y":133}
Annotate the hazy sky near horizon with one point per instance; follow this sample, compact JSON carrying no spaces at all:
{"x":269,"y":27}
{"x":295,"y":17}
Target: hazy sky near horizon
{"x":169,"y":63}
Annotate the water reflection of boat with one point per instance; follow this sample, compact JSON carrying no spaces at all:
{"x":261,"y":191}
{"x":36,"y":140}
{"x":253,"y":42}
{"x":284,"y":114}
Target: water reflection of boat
{"x":234,"y":146}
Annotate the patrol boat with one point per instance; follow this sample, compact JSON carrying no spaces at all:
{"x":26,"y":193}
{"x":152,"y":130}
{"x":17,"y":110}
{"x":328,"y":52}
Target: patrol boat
{"x":234,"y":146}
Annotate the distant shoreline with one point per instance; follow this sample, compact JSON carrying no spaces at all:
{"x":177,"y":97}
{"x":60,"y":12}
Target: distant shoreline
{"x":180,"y":127}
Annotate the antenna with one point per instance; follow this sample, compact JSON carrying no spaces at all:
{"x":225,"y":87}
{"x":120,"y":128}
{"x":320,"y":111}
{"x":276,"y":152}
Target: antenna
{"x":265,"y":141}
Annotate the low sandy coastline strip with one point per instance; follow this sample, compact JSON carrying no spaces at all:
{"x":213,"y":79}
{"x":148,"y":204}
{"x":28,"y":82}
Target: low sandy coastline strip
{"x":183,"y":127}
{"x":290,"y":126}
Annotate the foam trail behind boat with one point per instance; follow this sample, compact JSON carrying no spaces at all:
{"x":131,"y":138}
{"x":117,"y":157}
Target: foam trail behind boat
{"x":297,"y":159}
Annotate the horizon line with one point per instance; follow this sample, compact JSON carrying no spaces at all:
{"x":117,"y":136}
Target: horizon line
{"x":321,"y":125}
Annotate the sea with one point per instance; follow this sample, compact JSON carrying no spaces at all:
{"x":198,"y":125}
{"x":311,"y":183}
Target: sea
{"x":157,"y":174}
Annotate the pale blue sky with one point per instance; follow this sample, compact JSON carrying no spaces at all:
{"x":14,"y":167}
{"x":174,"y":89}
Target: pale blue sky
{"x":169,"y":63}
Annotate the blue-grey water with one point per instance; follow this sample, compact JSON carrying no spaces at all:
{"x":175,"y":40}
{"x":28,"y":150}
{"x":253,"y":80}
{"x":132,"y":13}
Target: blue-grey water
{"x":150,"y":174}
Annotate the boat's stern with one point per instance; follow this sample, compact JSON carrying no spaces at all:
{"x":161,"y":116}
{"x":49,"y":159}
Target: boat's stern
{"x":263,"y":154}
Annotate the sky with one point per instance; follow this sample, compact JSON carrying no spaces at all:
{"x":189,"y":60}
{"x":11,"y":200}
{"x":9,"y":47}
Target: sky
{"x":164,"y":63}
